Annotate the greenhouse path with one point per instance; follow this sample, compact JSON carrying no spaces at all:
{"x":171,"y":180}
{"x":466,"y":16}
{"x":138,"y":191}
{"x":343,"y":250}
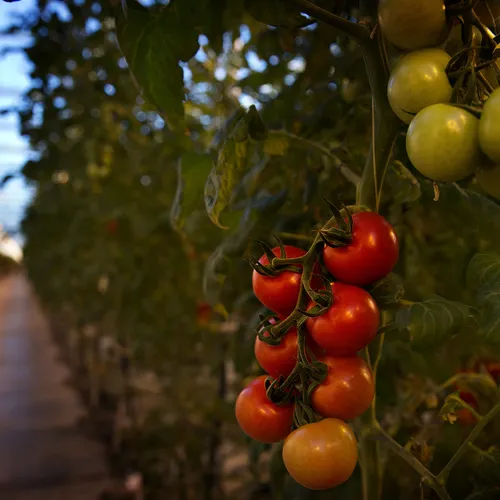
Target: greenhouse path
{"x":44,"y":455}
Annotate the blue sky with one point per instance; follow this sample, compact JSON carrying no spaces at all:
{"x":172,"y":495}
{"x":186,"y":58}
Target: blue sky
{"x":14,"y":79}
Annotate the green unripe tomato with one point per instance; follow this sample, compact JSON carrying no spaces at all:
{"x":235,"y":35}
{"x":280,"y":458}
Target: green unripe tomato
{"x":489,"y":179}
{"x":417,"y":81}
{"x":454,"y":44}
{"x":489,"y":127}
{"x":412,"y":25}
{"x":442,"y":143}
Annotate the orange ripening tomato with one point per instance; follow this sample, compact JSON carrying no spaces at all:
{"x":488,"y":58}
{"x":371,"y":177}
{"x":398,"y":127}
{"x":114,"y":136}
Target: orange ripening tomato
{"x":347,"y":391}
{"x":321,"y":455}
{"x":261,"y":419}
{"x":112,"y":226}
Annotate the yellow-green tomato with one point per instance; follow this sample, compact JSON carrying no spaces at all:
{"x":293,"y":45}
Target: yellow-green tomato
{"x":489,"y":179}
{"x":454,"y":44}
{"x":412,"y":25}
{"x":417,"y":81}
{"x":489,"y":127}
{"x":442,"y":142}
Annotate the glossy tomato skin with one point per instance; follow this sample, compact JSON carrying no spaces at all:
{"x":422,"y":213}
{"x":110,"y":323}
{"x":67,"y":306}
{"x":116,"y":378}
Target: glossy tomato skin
{"x":278,"y":293}
{"x":417,"y":81}
{"x":280,"y":360}
{"x":442,"y":143}
{"x":349,"y":324}
{"x":370,"y":256}
{"x":321,"y":455}
{"x":489,"y":127}
{"x":258,"y":417}
{"x":411,"y":28}
{"x":347,"y":391}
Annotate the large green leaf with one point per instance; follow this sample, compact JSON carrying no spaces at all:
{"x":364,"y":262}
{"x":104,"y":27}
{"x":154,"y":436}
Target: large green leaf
{"x":483,"y":277}
{"x":231,"y":164}
{"x":192,"y":171}
{"x":433,"y":320}
{"x":154,"y":41}
{"x":388,"y":291}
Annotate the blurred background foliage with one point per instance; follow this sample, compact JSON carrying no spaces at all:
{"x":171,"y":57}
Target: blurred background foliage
{"x":153,"y":301}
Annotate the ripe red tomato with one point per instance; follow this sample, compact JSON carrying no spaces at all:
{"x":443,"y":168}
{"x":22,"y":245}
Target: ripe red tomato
{"x":321,"y":455}
{"x":203,"y":313}
{"x":282,"y":358}
{"x":347,"y":391}
{"x":370,"y":256}
{"x":112,"y":226}
{"x":349,"y":324}
{"x":464,"y":416}
{"x":278,"y":293}
{"x":259,"y":418}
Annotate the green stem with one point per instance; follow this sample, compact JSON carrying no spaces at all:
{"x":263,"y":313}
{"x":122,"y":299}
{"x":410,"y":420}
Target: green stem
{"x":385,"y":127}
{"x":348,"y":174}
{"x":482,"y":423}
{"x":428,"y":478}
{"x":356,"y":31}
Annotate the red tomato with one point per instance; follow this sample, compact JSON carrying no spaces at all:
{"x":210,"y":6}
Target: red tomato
{"x":203,"y":313}
{"x":282,"y":358}
{"x":112,"y":226}
{"x":278,"y":293}
{"x":321,"y":455}
{"x":370,"y":256}
{"x":259,"y":418}
{"x":347,"y":391}
{"x":464,"y":416}
{"x":349,"y":324}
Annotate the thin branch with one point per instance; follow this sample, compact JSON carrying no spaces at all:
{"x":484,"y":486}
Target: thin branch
{"x":430,"y":479}
{"x":357,"y":31}
{"x":483,"y":422}
{"x":351,"y":176}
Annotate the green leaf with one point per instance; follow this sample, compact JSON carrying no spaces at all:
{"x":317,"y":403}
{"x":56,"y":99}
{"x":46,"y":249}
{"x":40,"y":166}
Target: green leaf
{"x":433,"y":320}
{"x":256,"y":128}
{"x":405,"y":187}
{"x":483,"y":277}
{"x":276,"y":144}
{"x":275,"y":13}
{"x":154,"y":41}
{"x":230,"y":166}
{"x":192,"y":171}
{"x":388,"y":291}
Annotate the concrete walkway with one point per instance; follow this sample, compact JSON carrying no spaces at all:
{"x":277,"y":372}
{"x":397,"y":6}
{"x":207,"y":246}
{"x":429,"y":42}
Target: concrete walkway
{"x":43,"y":453}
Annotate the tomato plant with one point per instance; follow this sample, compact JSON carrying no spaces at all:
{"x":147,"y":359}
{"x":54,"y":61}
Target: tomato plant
{"x":321,"y":455}
{"x":253,"y":119}
{"x":347,"y":391}
{"x":259,"y":418}
{"x":349,"y":324}
{"x":442,"y":143}
{"x":371,"y":255}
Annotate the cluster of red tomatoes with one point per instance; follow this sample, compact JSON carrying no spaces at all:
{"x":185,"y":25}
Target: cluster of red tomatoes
{"x":445,"y":142}
{"x":335,"y":338}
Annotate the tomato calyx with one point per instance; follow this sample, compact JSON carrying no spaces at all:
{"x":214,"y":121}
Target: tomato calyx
{"x":341,"y":233}
{"x":276,"y":265}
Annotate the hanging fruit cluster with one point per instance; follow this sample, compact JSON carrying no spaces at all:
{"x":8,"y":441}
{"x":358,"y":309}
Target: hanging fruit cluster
{"x":321,"y":318}
{"x":445,"y":88}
